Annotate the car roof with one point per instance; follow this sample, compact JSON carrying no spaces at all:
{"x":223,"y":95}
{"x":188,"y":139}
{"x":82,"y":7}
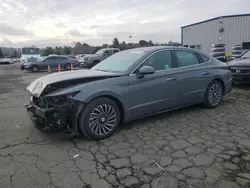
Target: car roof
{"x":110,"y":49}
{"x":156,"y":48}
{"x":58,"y":56}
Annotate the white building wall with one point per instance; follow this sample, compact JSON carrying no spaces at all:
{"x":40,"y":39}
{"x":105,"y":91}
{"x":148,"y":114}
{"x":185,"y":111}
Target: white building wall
{"x":236,"y":31}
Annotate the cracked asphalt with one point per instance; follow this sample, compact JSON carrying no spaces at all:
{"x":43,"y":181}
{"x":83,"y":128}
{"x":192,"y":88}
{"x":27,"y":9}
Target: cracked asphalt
{"x":191,"y":147}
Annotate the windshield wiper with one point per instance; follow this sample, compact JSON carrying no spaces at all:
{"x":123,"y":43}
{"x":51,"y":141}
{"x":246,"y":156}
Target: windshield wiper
{"x":101,"y":70}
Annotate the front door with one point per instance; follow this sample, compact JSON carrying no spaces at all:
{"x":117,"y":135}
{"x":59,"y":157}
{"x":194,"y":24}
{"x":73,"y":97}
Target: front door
{"x":156,"y":92}
{"x":45,"y":63}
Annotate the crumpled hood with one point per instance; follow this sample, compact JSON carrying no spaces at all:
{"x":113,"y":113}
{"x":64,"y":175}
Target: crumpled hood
{"x":239,"y":62}
{"x":37,"y":86}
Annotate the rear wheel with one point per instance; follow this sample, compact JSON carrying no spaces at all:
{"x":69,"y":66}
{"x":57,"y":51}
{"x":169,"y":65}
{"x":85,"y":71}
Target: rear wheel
{"x":213,"y":94}
{"x":35,"y":68}
{"x":99,"y":119}
{"x":67,"y":66}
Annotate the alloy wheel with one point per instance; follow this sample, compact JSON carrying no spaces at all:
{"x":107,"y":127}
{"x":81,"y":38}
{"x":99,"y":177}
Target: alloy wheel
{"x":215,"y":94}
{"x":102,"y":119}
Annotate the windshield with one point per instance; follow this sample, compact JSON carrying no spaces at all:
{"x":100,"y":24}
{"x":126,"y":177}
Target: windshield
{"x":30,"y":51}
{"x":99,"y":52}
{"x":119,"y":62}
{"x":246,"y":55}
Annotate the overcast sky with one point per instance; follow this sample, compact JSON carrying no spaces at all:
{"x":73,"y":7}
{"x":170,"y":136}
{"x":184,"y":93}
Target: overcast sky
{"x":61,"y":22}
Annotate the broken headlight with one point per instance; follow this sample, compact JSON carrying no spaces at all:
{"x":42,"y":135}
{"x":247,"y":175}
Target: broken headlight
{"x":63,"y":98}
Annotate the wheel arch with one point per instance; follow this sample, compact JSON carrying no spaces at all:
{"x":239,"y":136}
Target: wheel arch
{"x":222,"y":83}
{"x":113,"y":97}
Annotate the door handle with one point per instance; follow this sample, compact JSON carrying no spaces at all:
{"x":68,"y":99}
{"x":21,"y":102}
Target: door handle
{"x":205,"y":73}
{"x":170,"y":79}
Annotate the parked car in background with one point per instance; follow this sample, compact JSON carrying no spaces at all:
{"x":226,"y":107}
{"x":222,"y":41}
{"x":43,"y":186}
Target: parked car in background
{"x":240,"y":68}
{"x":91,"y":60}
{"x":6,"y":60}
{"x":52,"y":61}
{"x":80,"y":56}
{"x":126,"y":86}
{"x":30,"y":54}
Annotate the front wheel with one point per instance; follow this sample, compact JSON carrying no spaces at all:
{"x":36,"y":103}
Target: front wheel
{"x":35,"y":68}
{"x":67,"y":67}
{"x":213,"y":94}
{"x":99,"y":119}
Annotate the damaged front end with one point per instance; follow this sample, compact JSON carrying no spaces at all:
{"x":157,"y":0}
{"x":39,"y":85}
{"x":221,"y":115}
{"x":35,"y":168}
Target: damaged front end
{"x":55,"y":113}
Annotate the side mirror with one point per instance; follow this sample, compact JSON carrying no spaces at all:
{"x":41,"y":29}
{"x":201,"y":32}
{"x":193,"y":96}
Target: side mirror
{"x":145,"y":70}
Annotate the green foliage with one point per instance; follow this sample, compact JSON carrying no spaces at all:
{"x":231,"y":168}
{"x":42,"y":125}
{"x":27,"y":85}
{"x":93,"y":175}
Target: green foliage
{"x":58,"y":50}
{"x":1,"y":53}
{"x":66,"y":50}
{"x":47,"y":51}
{"x":84,"y":48}
{"x":116,"y":43}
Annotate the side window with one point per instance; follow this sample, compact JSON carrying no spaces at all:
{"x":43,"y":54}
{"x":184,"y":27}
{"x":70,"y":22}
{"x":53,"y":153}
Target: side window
{"x":186,"y":58}
{"x":61,"y":58}
{"x":48,"y":59}
{"x":160,"y":61}
{"x":203,"y":58}
{"x":115,"y":51}
{"x":108,"y":52}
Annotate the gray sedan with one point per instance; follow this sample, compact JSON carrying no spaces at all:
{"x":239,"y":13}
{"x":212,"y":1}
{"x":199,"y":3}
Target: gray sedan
{"x":240,"y":68}
{"x":129,"y":85}
{"x":53,"y":61}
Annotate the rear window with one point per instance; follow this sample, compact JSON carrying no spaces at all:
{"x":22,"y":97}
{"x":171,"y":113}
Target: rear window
{"x":203,"y":58}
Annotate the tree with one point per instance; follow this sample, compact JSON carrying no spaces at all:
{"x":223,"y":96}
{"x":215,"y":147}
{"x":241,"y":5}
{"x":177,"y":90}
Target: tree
{"x":15,"y":54}
{"x":1,"y":53}
{"x":66,"y":50}
{"x":150,"y":43}
{"x":78,"y":49}
{"x":47,"y":51}
{"x":115,"y":43}
{"x":58,"y":50}
{"x":123,"y":46}
{"x":143,"y":43}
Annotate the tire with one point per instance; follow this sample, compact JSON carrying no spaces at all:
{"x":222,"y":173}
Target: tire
{"x":218,"y":54}
{"x":237,"y":48}
{"x":218,"y":50}
{"x":66,"y":67}
{"x":217,"y":87}
{"x":35,"y":68}
{"x":94,"y":63}
{"x":218,"y":45}
{"x":94,"y":107}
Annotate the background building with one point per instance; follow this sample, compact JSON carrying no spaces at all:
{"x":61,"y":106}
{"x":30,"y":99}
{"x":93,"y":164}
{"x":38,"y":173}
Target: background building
{"x":229,"y":30}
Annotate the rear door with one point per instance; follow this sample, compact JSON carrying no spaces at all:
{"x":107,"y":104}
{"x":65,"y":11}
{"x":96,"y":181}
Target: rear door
{"x":193,"y":76}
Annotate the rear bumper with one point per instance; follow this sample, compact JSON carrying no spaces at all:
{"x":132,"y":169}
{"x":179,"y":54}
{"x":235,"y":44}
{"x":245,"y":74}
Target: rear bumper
{"x":55,"y":119}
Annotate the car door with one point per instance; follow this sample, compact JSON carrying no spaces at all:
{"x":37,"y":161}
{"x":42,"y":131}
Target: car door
{"x":107,"y":53}
{"x":46,"y":62}
{"x":193,"y":76}
{"x":155,"y":92}
{"x":56,"y":61}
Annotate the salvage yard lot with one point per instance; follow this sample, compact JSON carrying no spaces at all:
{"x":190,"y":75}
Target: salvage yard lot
{"x":192,"y":146}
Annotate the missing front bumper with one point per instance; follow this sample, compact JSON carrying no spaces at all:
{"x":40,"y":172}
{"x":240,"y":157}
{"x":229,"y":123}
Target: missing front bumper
{"x":64,"y":119}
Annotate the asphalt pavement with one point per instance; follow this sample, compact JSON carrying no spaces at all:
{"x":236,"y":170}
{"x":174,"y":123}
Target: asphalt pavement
{"x":191,"y":147}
